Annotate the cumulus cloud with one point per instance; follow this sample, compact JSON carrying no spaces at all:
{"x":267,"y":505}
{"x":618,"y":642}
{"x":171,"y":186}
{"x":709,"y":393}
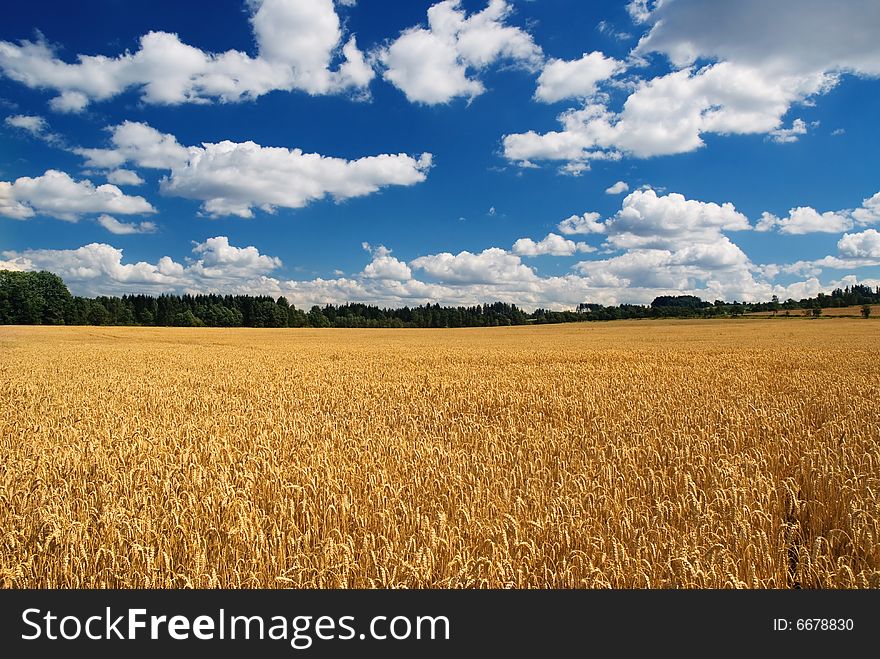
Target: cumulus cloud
{"x":231,"y":178}
{"x":98,"y":268}
{"x":864,"y":245}
{"x":10,"y":207}
{"x":854,"y":250}
{"x":140,"y":144}
{"x":686,"y":268}
{"x":125,"y":228}
{"x":299,"y":42}
{"x":441,"y":62}
{"x":561,"y":79}
{"x":553,"y":244}
{"x":804,"y":219}
{"x":647,"y":219}
{"x":671,"y":244}
{"x":491,"y":266}
{"x":618,"y":188}
{"x":731,"y":75}
{"x":384,"y":266}
{"x":586,"y":223}
{"x":637,"y":276}
{"x":57,"y":195}
{"x":869,"y":213}
{"x":95,"y":262}
{"x":682,"y":239}
{"x":668,"y":115}
{"x":710,"y":270}
{"x":219,"y":259}
{"x":124,"y":177}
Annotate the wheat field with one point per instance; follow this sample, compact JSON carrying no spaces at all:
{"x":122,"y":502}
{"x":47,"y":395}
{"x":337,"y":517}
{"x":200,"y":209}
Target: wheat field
{"x":730,"y":454}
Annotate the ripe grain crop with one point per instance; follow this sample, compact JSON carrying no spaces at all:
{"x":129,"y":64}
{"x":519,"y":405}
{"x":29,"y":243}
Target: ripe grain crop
{"x":734,"y":454}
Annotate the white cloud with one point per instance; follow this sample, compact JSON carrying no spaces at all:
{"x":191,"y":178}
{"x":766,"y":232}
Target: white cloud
{"x":855,"y":250}
{"x":787,"y":135}
{"x":97,"y":268}
{"x":718,"y":270}
{"x":561,"y":79}
{"x":804,"y":219}
{"x":640,"y":10}
{"x":67,"y":102}
{"x":219,"y":259}
{"x":674,"y":245}
{"x":757,"y":70}
{"x":231,"y":178}
{"x":33,"y":124}
{"x":768,"y":222}
{"x":577,"y":143}
{"x":437,"y":64}
{"x":385,"y":266}
{"x":586,"y":223}
{"x":817,"y":267}
{"x":847,"y":262}
{"x":688,"y":253}
{"x":663,"y":222}
{"x":36,"y":126}
{"x":553,"y":244}
{"x":668,"y":114}
{"x":57,"y":195}
{"x":860,"y":245}
{"x":685,"y":268}
{"x":298,"y":42}
{"x":124,"y":177}
{"x":869,"y":213}
{"x":10,"y":207}
{"x":99,"y":263}
{"x":125,"y":228}
{"x":493,"y":265}
{"x":618,"y":188}
{"x":141,"y":144}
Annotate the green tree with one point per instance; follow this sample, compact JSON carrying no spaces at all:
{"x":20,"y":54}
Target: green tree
{"x":33,"y":298}
{"x":97,"y":314}
{"x":866,"y":311}
{"x":316,"y":317}
{"x":187,"y":319}
{"x":296,"y":317}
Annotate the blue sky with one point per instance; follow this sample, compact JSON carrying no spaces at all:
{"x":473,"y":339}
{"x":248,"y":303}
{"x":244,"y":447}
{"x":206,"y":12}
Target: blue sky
{"x":541,"y":153}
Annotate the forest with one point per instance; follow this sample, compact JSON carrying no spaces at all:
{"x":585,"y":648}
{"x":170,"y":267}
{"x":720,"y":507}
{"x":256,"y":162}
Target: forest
{"x":42,"y":298}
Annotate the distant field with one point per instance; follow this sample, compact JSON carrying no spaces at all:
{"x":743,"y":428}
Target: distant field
{"x":851,"y":311}
{"x":631,"y":454}
{"x":855,"y":311}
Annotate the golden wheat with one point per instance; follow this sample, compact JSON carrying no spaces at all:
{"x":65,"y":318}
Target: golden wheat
{"x":638,"y":454}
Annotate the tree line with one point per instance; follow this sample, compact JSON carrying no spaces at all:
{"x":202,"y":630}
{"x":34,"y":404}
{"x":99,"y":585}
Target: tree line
{"x":42,"y":298}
